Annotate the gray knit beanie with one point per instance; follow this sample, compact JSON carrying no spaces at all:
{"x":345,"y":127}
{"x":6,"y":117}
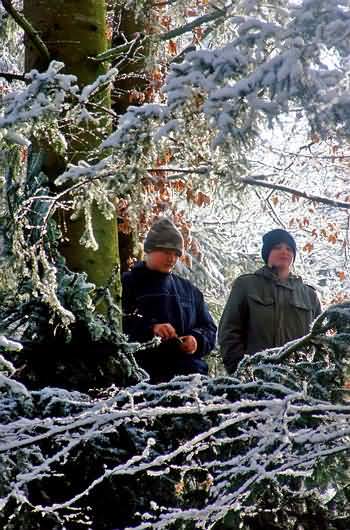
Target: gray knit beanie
{"x":163,"y":234}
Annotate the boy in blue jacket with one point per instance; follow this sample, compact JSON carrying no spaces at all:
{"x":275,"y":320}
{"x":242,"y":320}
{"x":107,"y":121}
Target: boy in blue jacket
{"x":157,"y":302}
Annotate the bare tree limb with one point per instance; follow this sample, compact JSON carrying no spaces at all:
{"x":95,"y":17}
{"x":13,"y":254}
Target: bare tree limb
{"x":273,"y":186}
{"x":33,"y":35}
{"x":113,"y":53}
{"x":12,"y":77}
{"x":313,"y":155}
{"x":219,"y":13}
{"x":255,"y":181}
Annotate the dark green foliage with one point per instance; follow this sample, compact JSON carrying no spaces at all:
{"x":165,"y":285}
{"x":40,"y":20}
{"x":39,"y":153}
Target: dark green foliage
{"x":90,"y":353}
{"x":262,"y":451}
{"x":318,"y":363}
{"x":51,"y":310}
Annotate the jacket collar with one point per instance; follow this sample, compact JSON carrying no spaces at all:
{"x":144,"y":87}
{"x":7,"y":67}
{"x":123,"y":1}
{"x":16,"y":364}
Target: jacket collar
{"x":271,"y":274}
{"x":141,"y":267}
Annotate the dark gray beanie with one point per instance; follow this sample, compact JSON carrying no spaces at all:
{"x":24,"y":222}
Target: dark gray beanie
{"x":275,"y":237}
{"x":163,"y":234}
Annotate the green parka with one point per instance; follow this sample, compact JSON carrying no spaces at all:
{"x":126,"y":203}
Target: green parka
{"x":262,"y":312}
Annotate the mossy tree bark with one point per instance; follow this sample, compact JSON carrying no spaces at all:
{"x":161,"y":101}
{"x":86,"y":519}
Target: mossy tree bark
{"x":74,"y":31}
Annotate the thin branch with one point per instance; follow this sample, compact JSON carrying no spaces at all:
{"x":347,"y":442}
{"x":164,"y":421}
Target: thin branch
{"x":220,"y":13}
{"x":103,"y":109}
{"x":255,"y":181}
{"x":28,"y":28}
{"x":13,"y":77}
{"x":317,"y":198}
{"x":173,"y":169}
{"x":113,"y":53}
{"x":271,"y":210}
{"x":313,"y":156}
{"x":164,"y":4}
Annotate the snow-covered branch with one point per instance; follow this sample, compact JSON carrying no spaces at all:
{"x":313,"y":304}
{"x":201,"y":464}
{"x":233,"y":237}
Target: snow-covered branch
{"x":206,"y":448}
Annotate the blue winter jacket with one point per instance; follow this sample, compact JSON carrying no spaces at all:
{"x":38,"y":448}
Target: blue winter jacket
{"x":152,"y":297}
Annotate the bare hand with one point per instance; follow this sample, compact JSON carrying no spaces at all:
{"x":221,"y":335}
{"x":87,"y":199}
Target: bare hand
{"x":189,"y":344}
{"x":166,"y":331}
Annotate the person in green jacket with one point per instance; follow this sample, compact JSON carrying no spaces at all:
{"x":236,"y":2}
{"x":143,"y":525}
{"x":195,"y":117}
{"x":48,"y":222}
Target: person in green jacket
{"x":268,"y":308}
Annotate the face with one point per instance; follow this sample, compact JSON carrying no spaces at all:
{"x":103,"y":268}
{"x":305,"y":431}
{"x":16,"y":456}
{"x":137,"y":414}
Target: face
{"x":281,"y":256}
{"x":161,"y":260}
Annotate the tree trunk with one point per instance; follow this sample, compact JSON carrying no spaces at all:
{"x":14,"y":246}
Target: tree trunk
{"x":74,"y":31}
